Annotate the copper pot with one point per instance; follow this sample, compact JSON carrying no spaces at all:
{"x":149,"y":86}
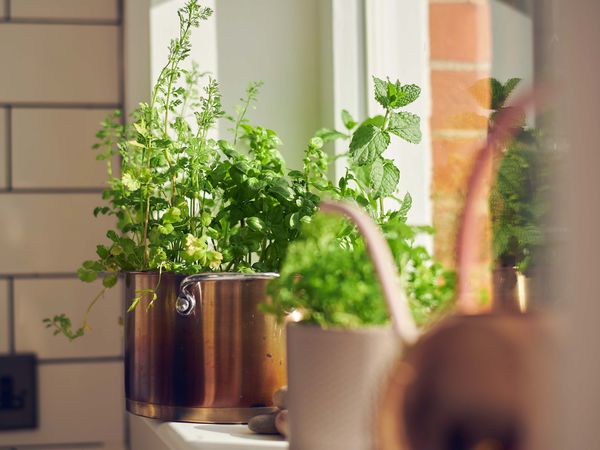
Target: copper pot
{"x":202,"y":352}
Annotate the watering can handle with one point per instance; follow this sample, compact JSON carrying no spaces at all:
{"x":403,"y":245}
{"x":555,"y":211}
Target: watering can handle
{"x":470,"y":237}
{"x":385,"y":268}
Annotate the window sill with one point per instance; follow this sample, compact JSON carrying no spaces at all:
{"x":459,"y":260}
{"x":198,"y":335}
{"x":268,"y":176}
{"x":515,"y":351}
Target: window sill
{"x":151,"y":434}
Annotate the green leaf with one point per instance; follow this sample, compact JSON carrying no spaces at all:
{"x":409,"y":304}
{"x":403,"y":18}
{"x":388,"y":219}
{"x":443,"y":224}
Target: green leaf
{"x":166,"y":229}
{"x":375,"y":174}
{"x":403,"y":95}
{"x":510,"y":86}
{"x":328,"y":134}
{"x":283,"y":191}
{"x":349,"y":122}
{"x":316,"y":142}
{"x":140,"y":129}
{"x":110,"y":280}
{"x":381,"y":92}
{"x":406,"y":126}
{"x":390,"y":179}
{"x":129,"y":182}
{"x":102,"y":251}
{"x":227,"y":149}
{"x":497,"y":93}
{"x":255,"y":224}
{"x":86,"y":275}
{"x":368,"y":142}
{"x":93,"y":265}
{"x":172,"y":215}
{"x":294,"y":220}
{"x":383,"y":177}
{"x":377,"y":121}
{"x":405,"y":205}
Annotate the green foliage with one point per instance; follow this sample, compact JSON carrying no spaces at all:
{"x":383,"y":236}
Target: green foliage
{"x":327,"y":275}
{"x":330,"y":280}
{"x":185,"y":202}
{"x":518,"y":200}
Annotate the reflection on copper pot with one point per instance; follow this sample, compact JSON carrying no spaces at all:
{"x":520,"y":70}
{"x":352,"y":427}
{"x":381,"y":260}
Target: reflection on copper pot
{"x":203,"y":352}
{"x":513,"y":291}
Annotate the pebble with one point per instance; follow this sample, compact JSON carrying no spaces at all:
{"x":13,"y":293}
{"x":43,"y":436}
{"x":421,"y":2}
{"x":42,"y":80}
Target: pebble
{"x":281,"y":422}
{"x":280,"y":398}
{"x":263,"y":424}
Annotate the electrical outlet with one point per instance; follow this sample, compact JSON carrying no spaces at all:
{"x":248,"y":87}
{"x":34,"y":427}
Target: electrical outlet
{"x":18,"y":391}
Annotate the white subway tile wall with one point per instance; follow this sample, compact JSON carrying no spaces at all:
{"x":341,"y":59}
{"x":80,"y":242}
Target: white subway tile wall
{"x":4,"y":313}
{"x":47,"y":143}
{"x":49,"y":232}
{"x":66,"y":74}
{"x":3,"y":149}
{"x":71,"y":397}
{"x":36,"y":299}
{"x":97,"y":10}
{"x":59,"y":63}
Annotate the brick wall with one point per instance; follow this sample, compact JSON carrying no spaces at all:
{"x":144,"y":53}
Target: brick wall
{"x":61,"y":72}
{"x":460,"y":52}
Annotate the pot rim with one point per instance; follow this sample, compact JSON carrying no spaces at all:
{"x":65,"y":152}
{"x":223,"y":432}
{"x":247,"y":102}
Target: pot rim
{"x":369,"y":329}
{"x":209,"y":275}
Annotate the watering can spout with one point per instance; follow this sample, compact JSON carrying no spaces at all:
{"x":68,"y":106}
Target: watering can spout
{"x":385,"y":268}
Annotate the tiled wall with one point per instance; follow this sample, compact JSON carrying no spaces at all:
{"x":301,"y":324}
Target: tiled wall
{"x":460,"y":43}
{"x":60,"y":73}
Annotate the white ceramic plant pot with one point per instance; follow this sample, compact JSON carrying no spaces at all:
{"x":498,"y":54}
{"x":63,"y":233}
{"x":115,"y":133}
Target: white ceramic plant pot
{"x":335,"y":375}
{"x":334,"y":379}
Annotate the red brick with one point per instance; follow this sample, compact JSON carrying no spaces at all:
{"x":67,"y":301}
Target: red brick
{"x":459,"y":99}
{"x":452,"y":163}
{"x":460,"y":31}
{"x":446,"y":216}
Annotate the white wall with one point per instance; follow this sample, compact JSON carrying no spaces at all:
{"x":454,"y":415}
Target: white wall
{"x":398,"y":47}
{"x":315,"y":57}
{"x":512,"y":46}
{"x":244,"y":42}
{"x":61,"y":75}
{"x":278,"y":42}
{"x":164,"y":26}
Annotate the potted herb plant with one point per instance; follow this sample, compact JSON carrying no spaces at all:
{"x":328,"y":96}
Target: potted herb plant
{"x":202,"y":225}
{"x":518,"y":203}
{"x":338,"y":352}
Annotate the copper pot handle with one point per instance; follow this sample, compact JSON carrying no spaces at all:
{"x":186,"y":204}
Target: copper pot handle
{"x":385,"y":268}
{"x":186,"y":301}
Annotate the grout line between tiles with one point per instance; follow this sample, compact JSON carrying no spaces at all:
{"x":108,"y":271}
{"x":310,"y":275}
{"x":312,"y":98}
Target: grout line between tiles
{"x":27,"y":276}
{"x":121,"y":61}
{"x":60,"y":105}
{"x":9,"y":150}
{"x":66,"y":445}
{"x":49,"y":190}
{"x":79,"y":360}
{"x":11,"y":316}
{"x":121,"y":54}
{"x":76,"y":22}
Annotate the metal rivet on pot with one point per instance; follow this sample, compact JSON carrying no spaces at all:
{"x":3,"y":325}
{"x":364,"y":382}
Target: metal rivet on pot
{"x":184,"y":305}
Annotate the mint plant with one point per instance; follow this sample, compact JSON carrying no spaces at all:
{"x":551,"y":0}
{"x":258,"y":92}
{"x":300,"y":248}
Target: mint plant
{"x":327,"y":275}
